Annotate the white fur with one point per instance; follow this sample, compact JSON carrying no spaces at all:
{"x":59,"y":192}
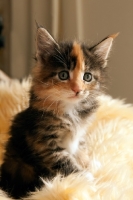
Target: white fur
{"x":78,"y":126}
{"x":110,"y":145}
{"x":104,"y":48}
{"x":3,"y":196}
{"x":71,"y":140}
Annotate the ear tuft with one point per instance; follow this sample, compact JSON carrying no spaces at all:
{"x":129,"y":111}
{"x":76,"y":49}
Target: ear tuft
{"x":37,"y":25}
{"x":103,"y":48}
{"x":114,"y":35}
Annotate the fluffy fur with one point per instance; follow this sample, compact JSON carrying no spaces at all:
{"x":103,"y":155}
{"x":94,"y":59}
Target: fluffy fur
{"x":110,"y":146}
{"x":12,"y":100}
{"x":49,"y":137}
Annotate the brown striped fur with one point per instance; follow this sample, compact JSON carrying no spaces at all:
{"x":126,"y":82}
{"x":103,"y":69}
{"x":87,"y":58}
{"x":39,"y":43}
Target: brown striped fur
{"x":49,"y":137}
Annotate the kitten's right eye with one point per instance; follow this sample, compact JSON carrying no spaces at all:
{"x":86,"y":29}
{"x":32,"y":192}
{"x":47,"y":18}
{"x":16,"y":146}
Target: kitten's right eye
{"x":63,"y":75}
{"x":87,"y":77}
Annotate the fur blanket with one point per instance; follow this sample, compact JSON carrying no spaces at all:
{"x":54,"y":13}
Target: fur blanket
{"x":110,"y":144}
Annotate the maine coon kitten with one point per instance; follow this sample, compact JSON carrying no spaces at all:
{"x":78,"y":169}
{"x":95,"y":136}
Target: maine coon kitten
{"x":47,"y":137}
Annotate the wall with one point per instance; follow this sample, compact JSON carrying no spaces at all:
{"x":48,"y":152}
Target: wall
{"x":5,"y":50}
{"x":102,"y":18}
{"x":90,"y":20}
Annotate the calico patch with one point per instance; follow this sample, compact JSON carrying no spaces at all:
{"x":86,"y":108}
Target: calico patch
{"x":49,"y":137}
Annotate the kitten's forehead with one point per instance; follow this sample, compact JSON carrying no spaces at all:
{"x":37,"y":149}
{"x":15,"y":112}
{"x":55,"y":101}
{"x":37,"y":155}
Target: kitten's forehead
{"x":77,"y":53}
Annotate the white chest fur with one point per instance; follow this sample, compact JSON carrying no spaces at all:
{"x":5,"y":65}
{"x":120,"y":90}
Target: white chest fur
{"x":72,"y":144}
{"x":76,"y":130}
{"x":70,"y":141}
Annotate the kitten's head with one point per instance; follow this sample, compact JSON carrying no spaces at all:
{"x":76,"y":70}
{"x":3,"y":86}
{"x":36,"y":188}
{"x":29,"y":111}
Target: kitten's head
{"x":68,"y":72}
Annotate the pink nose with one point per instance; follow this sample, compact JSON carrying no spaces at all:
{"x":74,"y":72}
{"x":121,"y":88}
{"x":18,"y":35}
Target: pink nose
{"x":76,"y":88}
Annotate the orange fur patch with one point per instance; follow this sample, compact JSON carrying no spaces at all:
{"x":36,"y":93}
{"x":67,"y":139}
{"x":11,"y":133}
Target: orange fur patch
{"x":76,"y":82}
{"x":45,"y":100}
{"x":77,"y":52}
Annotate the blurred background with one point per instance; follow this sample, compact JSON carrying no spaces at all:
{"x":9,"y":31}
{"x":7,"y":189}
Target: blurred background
{"x":87,"y":20}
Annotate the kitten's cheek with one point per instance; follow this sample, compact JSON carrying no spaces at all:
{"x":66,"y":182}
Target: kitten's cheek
{"x":84,"y":93}
{"x":87,"y":93}
{"x":97,"y":86}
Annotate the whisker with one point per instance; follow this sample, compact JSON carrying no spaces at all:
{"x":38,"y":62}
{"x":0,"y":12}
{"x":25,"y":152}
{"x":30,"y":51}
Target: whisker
{"x":51,"y":105}
{"x":59,"y":52}
{"x":44,"y":103}
{"x":60,"y":60}
{"x":56,"y":84}
{"x":67,"y":55}
{"x":41,"y":82}
{"x":47,"y":98}
{"x":59,"y":57}
{"x":57,"y":108}
{"x":46,"y":51}
{"x":63,"y":58}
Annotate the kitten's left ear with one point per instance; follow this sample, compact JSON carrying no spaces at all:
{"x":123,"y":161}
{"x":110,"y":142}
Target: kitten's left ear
{"x":44,"y":42}
{"x":103,"y":48}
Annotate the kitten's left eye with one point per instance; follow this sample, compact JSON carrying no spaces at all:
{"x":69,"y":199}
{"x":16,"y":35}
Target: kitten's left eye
{"x":63,"y":75}
{"x":87,"y":77}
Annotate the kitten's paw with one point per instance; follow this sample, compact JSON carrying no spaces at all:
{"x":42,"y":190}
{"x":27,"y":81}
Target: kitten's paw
{"x":83,"y":159}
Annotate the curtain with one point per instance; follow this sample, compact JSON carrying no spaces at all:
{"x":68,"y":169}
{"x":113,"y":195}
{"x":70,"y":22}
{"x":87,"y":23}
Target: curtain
{"x":63,"y":19}
{"x":87,"y":20}
{"x":4,"y":35}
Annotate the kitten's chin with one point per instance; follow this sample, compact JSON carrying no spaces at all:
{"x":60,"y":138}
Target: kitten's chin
{"x":74,"y":99}
{"x":78,"y":97}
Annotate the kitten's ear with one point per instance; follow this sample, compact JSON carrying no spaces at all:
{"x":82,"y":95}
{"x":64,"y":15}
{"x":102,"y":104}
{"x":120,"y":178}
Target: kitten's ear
{"x":103,"y":48}
{"x":44,"y":42}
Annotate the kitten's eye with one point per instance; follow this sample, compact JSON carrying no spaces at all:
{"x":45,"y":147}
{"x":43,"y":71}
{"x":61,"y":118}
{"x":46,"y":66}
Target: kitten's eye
{"x":63,"y":75}
{"x":87,"y":77}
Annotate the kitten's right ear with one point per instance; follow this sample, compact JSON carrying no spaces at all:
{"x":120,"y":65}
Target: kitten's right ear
{"x":103,"y":48}
{"x":44,"y":42}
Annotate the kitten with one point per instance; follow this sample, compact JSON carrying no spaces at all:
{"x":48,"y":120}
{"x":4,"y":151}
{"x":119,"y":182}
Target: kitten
{"x":49,"y":136}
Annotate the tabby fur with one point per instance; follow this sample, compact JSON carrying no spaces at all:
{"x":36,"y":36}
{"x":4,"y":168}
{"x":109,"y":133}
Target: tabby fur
{"x":49,"y":136}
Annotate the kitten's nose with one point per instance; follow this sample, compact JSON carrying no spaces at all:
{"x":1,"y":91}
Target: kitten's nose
{"x":76,"y":88}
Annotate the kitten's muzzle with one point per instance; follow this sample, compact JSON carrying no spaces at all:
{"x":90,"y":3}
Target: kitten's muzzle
{"x":76,"y":89}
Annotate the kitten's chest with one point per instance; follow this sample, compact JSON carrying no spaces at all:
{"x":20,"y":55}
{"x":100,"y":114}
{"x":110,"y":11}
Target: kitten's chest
{"x":73,"y":136}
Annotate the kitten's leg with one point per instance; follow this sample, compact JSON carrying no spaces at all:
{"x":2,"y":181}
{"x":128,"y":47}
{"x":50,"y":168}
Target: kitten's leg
{"x":82,"y":158}
{"x":82,"y":155}
{"x":65,"y":164}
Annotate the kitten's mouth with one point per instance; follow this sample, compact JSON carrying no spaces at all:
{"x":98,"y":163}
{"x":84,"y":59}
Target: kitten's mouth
{"x":74,"y":97}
